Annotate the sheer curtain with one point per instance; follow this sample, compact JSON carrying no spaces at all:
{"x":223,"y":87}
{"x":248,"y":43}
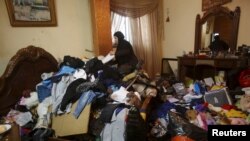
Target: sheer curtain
{"x":141,"y":22}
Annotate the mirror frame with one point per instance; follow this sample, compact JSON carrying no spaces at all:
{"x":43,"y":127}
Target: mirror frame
{"x":218,"y":11}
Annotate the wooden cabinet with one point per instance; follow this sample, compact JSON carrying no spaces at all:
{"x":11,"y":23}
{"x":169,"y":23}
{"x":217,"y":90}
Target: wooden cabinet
{"x":199,"y":68}
{"x":101,"y":26}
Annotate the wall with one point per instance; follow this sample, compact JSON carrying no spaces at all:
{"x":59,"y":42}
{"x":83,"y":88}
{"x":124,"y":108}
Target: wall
{"x":73,"y":34}
{"x":179,"y":33}
{"x":71,"y":37}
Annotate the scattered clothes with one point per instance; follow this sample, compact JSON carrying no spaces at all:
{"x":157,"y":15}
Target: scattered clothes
{"x":23,"y":118}
{"x":135,"y":126}
{"x":73,"y":62}
{"x":118,"y":111}
{"x":71,"y":93}
{"x":115,"y":129}
{"x":85,"y":99}
{"x":30,"y":101}
{"x":58,"y":91}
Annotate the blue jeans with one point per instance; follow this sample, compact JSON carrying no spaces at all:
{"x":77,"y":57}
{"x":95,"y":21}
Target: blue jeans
{"x":43,"y":92}
{"x":86,"y":98}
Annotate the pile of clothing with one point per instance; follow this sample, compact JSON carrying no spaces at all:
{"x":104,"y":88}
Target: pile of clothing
{"x":116,"y":104}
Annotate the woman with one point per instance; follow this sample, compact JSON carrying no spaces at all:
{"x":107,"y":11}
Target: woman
{"x":124,"y":54}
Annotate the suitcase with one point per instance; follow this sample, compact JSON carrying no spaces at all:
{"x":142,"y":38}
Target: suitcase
{"x":218,"y":97}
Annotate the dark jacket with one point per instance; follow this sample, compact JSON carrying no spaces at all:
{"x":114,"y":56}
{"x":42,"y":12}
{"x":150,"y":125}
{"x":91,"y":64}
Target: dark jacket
{"x":124,"y":52}
{"x":218,"y":45}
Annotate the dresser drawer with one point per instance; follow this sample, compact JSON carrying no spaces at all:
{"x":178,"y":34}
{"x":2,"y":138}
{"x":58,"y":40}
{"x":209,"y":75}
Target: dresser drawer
{"x":226,"y":63}
{"x":188,"y":62}
{"x":203,"y":66}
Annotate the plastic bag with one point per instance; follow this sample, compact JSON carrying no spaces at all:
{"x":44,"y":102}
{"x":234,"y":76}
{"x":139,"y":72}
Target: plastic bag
{"x":179,"y":126}
{"x":136,"y":129}
{"x":179,"y":88}
{"x":181,"y":138}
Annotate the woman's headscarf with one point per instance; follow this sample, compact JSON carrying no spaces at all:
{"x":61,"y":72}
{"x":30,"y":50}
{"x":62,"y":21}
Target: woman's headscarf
{"x":119,"y":35}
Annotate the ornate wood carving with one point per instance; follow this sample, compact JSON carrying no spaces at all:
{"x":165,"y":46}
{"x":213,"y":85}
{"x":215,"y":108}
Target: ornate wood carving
{"x":208,"y":4}
{"x":23,"y":72}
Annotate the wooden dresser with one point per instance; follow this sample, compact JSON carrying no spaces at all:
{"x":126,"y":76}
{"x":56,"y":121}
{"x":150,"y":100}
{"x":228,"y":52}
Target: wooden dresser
{"x":199,"y":68}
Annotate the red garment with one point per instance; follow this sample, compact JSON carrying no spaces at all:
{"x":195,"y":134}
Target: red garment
{"x":205,"y":104}
{"x":228,"y":107}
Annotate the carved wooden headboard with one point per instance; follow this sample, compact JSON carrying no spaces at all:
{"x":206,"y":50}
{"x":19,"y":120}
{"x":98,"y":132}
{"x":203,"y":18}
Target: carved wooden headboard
{"x":23,"y":72}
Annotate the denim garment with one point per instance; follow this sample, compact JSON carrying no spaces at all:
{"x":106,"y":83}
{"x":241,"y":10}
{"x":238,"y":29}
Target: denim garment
{"x":65,"y":70}
{"x":44,"y":88}
{"x":58,"y":91}
{"x":43,"y":92}
{"x":86,"y":98}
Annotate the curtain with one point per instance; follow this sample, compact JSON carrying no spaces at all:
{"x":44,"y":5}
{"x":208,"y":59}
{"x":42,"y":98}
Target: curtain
{"x":144,"y":31}
{"x":133,"y":8}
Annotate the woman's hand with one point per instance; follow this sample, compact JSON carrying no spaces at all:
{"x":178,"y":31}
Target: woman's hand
{"x":112,"y":52}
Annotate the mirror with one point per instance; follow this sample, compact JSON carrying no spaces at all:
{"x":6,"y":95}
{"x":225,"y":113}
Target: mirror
{"x":218,"y":20}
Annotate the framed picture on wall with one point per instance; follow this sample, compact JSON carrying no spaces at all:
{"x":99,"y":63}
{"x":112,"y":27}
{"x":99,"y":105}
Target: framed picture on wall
{"x":207,"y":4}
{"x":31,"y":13}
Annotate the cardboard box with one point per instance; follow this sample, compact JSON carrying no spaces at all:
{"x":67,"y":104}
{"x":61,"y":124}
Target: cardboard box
{"x":67,"y":124}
